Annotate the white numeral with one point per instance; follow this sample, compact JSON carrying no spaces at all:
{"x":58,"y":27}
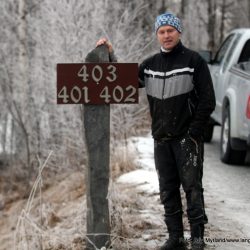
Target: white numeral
{"x":97,"y":73}
{"x":130,"y":98}
{"x":105,"y":94}
{"x":63,"y":95}
{"x":75,"y":94}
{"x":112,"y":70}
{"x":118,"y":94}
{"x":118,"y":91}
{"x":86,"y":94}
{"x":97,"y":76}
{"x":83,"y":73}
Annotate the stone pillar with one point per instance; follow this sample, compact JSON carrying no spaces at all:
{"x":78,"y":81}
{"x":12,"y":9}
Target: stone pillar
{"x":97,"y":135}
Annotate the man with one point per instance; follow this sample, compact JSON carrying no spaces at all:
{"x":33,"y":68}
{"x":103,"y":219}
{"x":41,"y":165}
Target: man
{"x":181,"y":98}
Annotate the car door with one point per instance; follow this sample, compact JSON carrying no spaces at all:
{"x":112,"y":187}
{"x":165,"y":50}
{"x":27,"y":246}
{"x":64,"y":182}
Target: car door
{"x":218,"y":74}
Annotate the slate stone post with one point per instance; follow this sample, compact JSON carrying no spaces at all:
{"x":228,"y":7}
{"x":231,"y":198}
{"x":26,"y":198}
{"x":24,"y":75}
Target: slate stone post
{"x":97,"y":135}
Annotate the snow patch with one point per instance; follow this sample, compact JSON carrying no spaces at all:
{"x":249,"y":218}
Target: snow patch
{"x":145,"y":178}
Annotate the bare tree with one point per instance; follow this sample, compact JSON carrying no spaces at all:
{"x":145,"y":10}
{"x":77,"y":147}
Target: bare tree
{"x":226,"y":8}
{"x":212,"y":6}
{"x":183,"y":8}
{"x":248,"y":5}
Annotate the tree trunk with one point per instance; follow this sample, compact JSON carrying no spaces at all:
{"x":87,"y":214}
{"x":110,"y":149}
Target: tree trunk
{"x":184,"y":4}
{"x":248,"y":12}
{"x":223,"y":18}
{"x":211,"y":25}
{"x":4,"y":133}
{"x":24,"y":68}
{"x":163,"y":7}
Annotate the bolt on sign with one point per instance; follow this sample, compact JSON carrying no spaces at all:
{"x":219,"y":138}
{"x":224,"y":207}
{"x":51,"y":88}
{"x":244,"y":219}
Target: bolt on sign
{"x":97,"y":83}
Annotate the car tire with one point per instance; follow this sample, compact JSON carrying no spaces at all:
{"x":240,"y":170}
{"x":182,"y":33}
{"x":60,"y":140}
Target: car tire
{"x":228,"y":154}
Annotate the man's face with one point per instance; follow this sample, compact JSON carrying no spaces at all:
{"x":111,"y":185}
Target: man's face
{"x":168,"y":37}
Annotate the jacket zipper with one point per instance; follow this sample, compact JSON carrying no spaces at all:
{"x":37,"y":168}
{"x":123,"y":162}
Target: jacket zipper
{"x":163,"y":88}
{"x":189,"y":107}
{"x":162,"y":106}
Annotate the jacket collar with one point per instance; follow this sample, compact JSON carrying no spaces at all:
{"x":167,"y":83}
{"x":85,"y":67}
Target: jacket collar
{"x":176,"y":49}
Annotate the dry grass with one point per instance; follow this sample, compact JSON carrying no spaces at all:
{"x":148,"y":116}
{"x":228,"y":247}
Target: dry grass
{"x":55,"y":217}
{"x":136,"y":218}
{"x":122,"y":160}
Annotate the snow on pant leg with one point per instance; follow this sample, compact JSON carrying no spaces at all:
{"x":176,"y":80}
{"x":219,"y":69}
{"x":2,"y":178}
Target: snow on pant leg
{"x":188,"y":154}
{"x":201,"y":175}
{"x":169,"y":180}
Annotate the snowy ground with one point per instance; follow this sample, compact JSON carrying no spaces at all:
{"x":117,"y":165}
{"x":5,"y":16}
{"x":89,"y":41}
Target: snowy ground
{"x":228,"y":214}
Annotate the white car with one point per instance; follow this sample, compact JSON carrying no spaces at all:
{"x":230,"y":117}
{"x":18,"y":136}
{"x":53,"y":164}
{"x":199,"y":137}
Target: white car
{"x":230,"y":71}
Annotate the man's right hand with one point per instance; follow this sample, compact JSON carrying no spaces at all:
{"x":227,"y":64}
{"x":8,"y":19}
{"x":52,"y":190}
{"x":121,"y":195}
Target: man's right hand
{"x":105,"y":42}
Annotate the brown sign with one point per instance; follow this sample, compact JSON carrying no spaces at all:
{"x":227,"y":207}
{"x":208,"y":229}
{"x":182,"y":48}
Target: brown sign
{"x":97,"y":83}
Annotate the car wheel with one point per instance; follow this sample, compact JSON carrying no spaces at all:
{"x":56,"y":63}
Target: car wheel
{"x":229,"y":155}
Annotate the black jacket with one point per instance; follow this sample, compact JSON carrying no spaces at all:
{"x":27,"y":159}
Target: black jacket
{"x":180,"y":92}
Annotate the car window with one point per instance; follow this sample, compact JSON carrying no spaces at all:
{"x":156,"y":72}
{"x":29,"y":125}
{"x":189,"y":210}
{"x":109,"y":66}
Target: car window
{"x":245,"y":53}
{"x":223,"y":49}
{"x":231,"y":50}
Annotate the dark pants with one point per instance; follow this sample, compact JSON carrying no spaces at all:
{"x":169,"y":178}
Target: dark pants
{"x":180,"y":162}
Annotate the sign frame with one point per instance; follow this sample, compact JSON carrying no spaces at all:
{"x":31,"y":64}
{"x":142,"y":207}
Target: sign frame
{"x":97,"y":83}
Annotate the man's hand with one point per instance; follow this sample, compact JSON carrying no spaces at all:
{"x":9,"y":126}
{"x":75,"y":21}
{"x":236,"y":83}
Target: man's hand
{"x":105,"y":42}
